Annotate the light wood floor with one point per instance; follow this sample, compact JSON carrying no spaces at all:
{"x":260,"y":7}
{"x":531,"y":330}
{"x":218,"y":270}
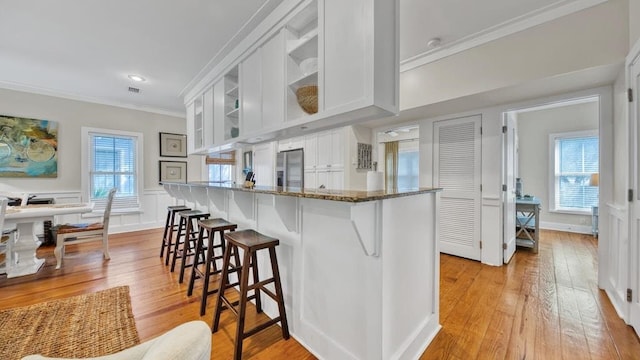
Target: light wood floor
{"x":544,"y":306}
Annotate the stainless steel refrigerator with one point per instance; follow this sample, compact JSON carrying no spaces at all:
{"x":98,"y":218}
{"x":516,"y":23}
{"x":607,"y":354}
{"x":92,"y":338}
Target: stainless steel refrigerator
{"x":290,"y":169}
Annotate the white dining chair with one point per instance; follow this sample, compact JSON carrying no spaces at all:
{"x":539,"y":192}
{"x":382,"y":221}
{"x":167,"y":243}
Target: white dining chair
{"x":69,"y":234}
{"x":6,"y":238}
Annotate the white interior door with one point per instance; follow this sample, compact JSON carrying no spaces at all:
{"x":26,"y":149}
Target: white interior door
{"x":634,"y":258}
{"x":510,"y":165}
{"x":457,"y":170}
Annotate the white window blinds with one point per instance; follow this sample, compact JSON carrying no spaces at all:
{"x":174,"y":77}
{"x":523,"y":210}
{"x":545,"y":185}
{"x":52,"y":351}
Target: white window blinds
{"x":576,"y":159}
{"x":113,"y":164}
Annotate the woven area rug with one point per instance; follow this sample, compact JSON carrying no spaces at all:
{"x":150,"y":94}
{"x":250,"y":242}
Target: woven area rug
{"x":81,"y":326}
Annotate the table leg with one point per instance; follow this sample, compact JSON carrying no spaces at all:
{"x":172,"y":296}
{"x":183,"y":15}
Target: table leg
{"x":23,"y":258}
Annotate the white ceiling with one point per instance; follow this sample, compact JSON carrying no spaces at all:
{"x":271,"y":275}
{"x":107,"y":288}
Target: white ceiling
{"x":84,"y":49}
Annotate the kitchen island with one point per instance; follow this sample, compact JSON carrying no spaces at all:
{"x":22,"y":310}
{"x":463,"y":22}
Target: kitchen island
{"x":360,"y":270}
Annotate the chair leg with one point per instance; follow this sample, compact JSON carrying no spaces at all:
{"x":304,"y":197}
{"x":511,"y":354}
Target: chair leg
{"x":187,"y":247}
{"x":207,"y":273}
{"x":59,"y":250}
{"x":164,"y":235}
{"x":199,"y":246}
{"x":181,"y":226}
{"x":105,"y":245}
{"x":244,"y":283}
{"x":278,"y":286}
{"x":256,"y":279}
{"x":224,"y":282}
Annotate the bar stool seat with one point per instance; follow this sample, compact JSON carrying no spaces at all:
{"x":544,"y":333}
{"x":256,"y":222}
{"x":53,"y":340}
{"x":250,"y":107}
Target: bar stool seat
{"x":170,"y":227}
{"x":250,"y":241}
{"x":187,"y":237}
{"x":211,"y":227}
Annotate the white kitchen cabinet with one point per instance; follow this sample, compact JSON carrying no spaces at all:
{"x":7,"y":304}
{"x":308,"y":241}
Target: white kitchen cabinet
{"x":332,"y":179}
{"x":302,"y":48}
{"x":337,"y":179}
{"x":324,"y":155}
{"x":263,"y":164}
{"x":273,"y":81}
{"x":310,"y":151}
{"x":190,"y":127}
{"x":324,"y":150}
{"x":250,"y":83}
{"x":291,"y":144}
{"x":231,"y":105}
{"x":218,"y":112}
{"x":195,"y":125}
{"x":330,"y":149}
{"x":337,"y":148}
{"x":262,"y":82}
{"x":310,"y":179}
{"x":207,"y":118}
{"x":348,"y":49}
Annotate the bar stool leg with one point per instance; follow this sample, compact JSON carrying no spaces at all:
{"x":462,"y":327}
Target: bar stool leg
{"x":278,"y":286}
{"x":207,"y":274}
{"x":181,"y":227}
{"x":170,"y":240}
{"x":224,"y":282}
{"x":192,"y":279}
{"x":244,"y":283}
{"x":187,"y":247}
{"x":164,"y":235}
{"x":256,"y":279}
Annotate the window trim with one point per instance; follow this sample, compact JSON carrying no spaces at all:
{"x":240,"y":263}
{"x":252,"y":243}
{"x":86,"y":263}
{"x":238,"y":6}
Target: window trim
{"x":85,"y":164}
{"x":553,"y":160}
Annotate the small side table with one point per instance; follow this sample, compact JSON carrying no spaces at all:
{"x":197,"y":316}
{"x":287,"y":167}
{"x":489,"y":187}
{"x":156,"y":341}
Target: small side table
{"x":528,"y":222}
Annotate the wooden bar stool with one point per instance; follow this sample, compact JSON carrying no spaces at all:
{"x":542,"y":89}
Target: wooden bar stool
{"x":250,"y":242}
{"x":170,"y":227}
{"x":188,"y":228}
{"x":211,"y":226}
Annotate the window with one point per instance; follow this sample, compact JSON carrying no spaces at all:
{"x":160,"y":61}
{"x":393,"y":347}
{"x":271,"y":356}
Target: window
{"x":221,"y":167}
{"x":221,"y":173}
{"x":408,"y":173}
{"x":113,"y":160}
{"x":574,"y":158}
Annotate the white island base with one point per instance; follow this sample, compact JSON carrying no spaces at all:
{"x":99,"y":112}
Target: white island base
{"x":360,"y":279}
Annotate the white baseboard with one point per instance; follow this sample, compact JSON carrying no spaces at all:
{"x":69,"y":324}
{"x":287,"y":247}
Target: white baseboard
{"x":580,"y":229}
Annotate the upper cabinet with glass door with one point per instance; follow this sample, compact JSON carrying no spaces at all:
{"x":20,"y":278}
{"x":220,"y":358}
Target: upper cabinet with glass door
{"x":310,"y":65}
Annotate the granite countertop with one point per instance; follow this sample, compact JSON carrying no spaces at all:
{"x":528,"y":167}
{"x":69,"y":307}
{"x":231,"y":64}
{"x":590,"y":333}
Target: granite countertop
{"x":322,"y":194}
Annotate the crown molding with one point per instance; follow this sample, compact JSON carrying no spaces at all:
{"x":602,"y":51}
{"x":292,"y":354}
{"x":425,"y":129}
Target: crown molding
{"x":71,"y":96}
{"x":495,"y":32}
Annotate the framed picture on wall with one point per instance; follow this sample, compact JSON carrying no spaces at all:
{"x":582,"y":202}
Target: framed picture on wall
{"x":173,"y":145}
{"x":173,"y":171}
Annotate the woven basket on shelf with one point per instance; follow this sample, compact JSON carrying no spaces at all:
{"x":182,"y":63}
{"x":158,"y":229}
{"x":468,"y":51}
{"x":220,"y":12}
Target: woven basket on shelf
{"x":308,"y":98}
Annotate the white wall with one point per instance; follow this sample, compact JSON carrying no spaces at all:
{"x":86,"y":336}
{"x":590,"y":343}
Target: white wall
{"x":557,"y":47}
{"x":71,"y":115}
{"x":534,"y":128}
{"x":491,"y":220}
{"x":634,"y":22}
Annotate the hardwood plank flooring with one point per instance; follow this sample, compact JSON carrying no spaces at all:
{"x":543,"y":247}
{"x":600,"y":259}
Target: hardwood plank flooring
{"x":544,"y":306}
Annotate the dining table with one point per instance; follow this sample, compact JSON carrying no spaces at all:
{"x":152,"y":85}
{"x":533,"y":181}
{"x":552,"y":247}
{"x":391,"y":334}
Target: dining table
{"x":22,"y":258}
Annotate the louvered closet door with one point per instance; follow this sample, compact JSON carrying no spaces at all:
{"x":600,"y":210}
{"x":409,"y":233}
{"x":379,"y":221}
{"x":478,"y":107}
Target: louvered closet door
{"x":457,"y":171}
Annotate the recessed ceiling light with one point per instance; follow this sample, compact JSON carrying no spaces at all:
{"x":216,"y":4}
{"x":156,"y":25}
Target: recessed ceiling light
{"x":137,"y":78}
{"x":434,"y":43}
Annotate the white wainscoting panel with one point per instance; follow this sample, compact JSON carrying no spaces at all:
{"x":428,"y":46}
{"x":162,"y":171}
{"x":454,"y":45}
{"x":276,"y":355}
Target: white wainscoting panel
{"x":152,"y":215}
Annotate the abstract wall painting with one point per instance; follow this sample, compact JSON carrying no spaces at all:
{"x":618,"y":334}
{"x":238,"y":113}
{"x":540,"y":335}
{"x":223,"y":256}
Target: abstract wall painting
{"x":28,"y":147}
